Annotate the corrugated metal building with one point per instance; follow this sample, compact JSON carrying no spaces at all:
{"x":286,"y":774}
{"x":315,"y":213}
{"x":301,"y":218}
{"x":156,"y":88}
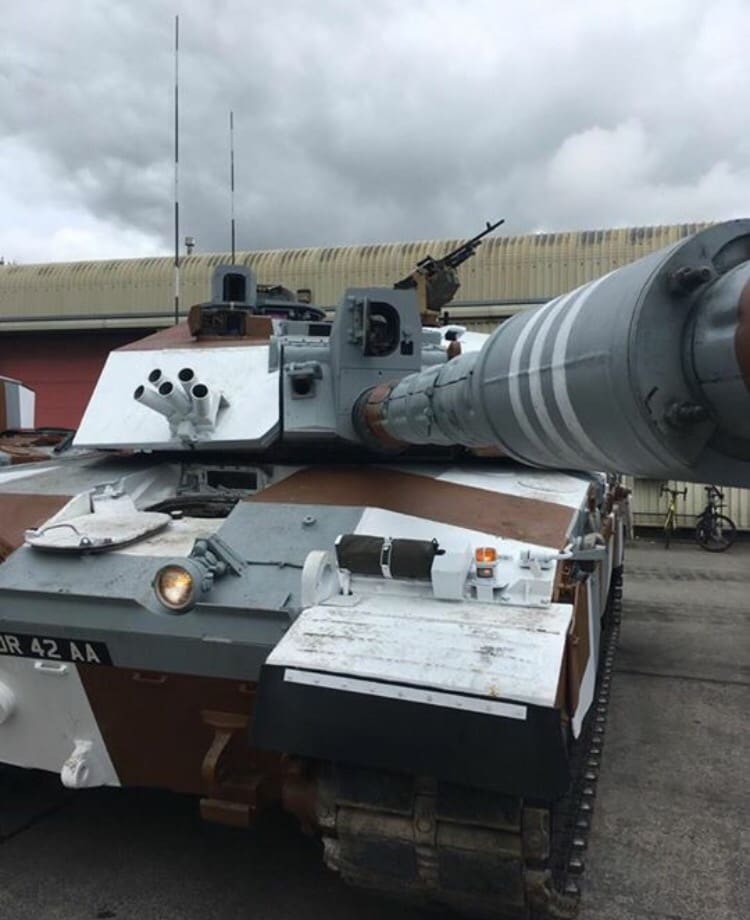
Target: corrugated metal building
{"x":59,"y":321}
{"x":41,"y":304}
{"x":507,"y":271}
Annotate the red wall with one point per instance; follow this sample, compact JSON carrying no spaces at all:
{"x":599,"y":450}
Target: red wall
{"x":61,"y":367}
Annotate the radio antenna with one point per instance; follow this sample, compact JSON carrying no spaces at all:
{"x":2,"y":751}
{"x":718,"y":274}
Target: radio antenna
{"x":231,"y":178}
{"x":176,"y":170}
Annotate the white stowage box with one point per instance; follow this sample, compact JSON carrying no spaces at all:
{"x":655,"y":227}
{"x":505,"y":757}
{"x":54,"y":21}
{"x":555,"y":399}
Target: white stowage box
{"x":18,"y":403}
{"x":45,"y":715}
{"x":114,"y":419}
{"x":490,"y":651}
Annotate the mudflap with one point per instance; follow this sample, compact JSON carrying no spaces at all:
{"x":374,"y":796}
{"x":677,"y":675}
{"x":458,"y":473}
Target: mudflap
{"x":506,"y":746}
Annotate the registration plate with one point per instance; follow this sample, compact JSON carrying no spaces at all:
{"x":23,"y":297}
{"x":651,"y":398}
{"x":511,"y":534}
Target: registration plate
{"x":79,"y":651}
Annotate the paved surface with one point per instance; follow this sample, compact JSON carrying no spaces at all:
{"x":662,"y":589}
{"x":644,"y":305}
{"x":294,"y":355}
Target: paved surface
{"x":669,"y":839}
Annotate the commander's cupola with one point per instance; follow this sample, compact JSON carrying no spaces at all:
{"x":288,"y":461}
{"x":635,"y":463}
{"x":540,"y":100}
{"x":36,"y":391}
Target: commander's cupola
{"x":236,"y":298}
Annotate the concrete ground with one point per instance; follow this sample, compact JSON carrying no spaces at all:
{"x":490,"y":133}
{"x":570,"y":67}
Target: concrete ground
{"x":669,"y":840}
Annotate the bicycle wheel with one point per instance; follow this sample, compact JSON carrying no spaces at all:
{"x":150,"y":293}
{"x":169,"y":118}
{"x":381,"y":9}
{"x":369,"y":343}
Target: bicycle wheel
{"x":716,"y":534}
{"x":668,"y":528}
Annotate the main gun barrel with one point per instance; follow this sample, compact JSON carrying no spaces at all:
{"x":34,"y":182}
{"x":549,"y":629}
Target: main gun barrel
{"x":644,"y":371}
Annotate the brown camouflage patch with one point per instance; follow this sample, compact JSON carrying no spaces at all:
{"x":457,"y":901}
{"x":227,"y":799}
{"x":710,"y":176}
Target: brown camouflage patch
{"x":19,"y":513}
{"x":160,"y":729}
{"x":180,"y":337}
{"x":509,"y":516}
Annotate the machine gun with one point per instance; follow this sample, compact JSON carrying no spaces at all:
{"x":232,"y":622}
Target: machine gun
{"x":436,"y":280}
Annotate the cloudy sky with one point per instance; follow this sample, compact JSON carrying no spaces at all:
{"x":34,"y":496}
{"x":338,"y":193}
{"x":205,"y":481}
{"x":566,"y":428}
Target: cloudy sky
{"x":365,"y":120}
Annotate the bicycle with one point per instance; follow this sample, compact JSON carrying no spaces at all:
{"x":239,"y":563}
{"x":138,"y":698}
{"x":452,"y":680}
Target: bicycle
{"x":714,"y":532}
{"x":671,"y":515}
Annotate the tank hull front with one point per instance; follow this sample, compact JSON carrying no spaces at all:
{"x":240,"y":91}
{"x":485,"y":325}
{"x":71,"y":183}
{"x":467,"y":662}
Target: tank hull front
{"x":275,"y":675}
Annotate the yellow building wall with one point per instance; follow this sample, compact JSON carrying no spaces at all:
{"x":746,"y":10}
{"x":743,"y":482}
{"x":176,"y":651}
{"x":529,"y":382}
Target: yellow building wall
{"x":505,"y":268}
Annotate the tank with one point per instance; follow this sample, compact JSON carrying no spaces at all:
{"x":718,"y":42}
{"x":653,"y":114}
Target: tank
{"x":369,"y":569}
{"x":16,"y":404}
{"x":20,"y":441}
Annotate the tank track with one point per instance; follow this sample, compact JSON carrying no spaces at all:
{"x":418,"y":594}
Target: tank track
{"x":485,"y":855}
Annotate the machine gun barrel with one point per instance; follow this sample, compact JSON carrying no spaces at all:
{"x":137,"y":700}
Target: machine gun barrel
{"x":436,"y":280}
{"x":644,"y":371}
{"x":461,"y":253}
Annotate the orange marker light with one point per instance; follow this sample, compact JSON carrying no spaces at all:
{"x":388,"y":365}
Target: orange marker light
{"x":485,"y":555}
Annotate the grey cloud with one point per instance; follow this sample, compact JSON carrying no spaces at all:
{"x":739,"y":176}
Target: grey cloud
{"x":382,"y":121}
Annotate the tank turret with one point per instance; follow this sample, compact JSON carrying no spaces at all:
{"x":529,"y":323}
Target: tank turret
{"x":644,"y":371}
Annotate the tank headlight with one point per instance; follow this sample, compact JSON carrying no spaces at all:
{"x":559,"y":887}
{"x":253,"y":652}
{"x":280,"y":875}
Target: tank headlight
{"x":175,"y":587}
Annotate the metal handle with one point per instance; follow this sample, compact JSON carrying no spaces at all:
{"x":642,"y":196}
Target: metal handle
{"x":51,"y":667}
{"x":155,"y":679}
